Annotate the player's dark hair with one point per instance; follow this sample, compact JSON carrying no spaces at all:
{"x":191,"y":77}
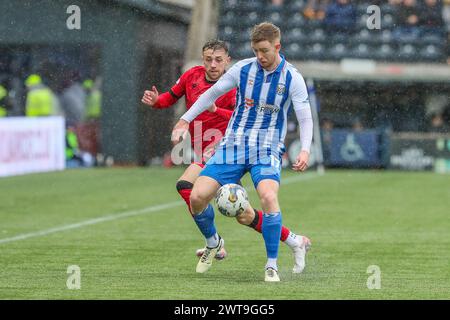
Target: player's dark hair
{"x":215,"y":44}
{"x":265,"y":31}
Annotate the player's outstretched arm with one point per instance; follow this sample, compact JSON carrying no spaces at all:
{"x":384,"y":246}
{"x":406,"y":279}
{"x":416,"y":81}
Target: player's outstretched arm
{"x":150,"y":97}
{"x":302,"y":110}
{"x":153,"y":99}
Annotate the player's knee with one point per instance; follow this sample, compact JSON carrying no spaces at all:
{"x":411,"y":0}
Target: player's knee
{"x":268,"y":198}
{"x":183,"y":185}
{"x":197,"y":200}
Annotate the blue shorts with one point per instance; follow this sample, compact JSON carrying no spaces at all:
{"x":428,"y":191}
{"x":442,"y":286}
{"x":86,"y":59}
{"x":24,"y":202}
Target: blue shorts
{"x":225,"y":173}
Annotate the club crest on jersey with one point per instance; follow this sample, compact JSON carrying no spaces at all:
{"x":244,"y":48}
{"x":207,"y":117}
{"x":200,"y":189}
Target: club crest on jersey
{"x":249,"y":103}
{"x":250,"y":82}
{"x":281,"y":88}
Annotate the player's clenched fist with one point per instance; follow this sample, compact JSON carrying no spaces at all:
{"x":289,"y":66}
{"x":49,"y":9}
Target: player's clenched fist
{"x":150,"y":96}
{"x":180,"y":130}
{"x":301,"y":162}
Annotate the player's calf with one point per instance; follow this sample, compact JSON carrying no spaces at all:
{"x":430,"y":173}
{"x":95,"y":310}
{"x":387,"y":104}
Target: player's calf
{"x":184,"y":188}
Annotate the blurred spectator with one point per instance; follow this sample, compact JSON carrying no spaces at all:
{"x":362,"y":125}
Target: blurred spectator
{"x":326,"y":131}
{"x":93,"y":99}
{"x":430,"y":18}
{"x":73,"y":99}
{"x":446,"y":14}
{"x":437,"y":124}
{"x":89,"y":131}
{"x":395,"y":3}
{"x":340,"y":17}
{"x":40,"y":100}
{"x":357,"y":125}
{"x":315,"y":9}
{"x":408,"y":20}
{"x":76,"y":158}
{"x":276,"y":3}
{"x":5,"y":103}
{"x":446,"y":115}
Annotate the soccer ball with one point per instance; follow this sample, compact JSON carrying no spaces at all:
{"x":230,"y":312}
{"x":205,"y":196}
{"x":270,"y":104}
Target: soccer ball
{"x":231,"y":200}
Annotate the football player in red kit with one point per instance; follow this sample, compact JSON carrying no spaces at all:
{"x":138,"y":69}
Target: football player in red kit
{"x":192,"y":84}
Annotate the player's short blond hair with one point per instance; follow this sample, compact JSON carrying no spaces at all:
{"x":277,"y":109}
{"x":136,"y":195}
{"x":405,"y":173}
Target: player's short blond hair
{"x":265,"y":31}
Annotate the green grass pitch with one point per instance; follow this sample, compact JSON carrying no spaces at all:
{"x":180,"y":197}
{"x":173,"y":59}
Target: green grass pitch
{"x":131,"y":236}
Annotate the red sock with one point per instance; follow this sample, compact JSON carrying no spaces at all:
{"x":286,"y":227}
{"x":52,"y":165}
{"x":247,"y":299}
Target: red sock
{"x":284,"y":231}
{"x":186,"y":194}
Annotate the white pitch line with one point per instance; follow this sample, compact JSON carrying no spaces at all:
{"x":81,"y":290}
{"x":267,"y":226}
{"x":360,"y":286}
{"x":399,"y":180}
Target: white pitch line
{"x":126,"y":214}
{"x":110,"y":217}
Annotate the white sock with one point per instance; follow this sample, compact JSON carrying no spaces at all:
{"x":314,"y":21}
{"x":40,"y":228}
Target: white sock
{"x":292,"y":240}
{"x":272,"y":263}
{"x":213,"y":241}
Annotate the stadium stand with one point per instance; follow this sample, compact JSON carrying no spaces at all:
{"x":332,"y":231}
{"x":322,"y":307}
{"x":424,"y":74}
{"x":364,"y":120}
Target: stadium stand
{"x":326,"y":37}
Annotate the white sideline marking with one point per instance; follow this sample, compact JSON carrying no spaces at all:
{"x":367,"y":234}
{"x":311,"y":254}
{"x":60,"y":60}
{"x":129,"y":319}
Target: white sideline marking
{"x":128,"y":214}
{"x":110,"y":217}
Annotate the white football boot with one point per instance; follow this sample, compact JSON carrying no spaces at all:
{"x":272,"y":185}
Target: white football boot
{"x":271,"y":275}
{"x":220,"y":255}
{"x":207,"y":257}
{"x":300,"y":254}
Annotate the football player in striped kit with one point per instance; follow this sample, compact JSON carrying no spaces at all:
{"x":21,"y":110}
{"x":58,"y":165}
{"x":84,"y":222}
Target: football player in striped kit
{"x":267,"y":85}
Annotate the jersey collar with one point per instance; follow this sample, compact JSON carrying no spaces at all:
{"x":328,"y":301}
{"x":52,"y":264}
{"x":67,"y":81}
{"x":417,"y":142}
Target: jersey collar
{"x":278,"y":69}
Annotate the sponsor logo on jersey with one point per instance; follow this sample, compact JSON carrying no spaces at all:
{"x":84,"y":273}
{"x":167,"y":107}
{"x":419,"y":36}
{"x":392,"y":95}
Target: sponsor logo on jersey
{"x":267,"y":108}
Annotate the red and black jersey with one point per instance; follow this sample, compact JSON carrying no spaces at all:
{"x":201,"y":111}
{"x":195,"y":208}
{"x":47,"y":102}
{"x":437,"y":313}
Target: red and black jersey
{"x":192,"y":84}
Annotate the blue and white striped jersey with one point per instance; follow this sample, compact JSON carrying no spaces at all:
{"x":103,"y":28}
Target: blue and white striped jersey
{"x":259,"y":121}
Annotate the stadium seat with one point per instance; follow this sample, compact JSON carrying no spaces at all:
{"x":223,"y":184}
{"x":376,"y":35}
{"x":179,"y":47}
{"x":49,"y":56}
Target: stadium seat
{"x":296,"y":21}
{"x":295,"y":35}
{"x":435,"y":39}
{"x":275,"y":18}
{"x":432,"y":53}
{"x":229,"y":5}
{"x":294,"y":51}
{"x":364,"y":35}
{"x":410,"y":38}
{"x":388,"y":20}
{"x":338,"y":38}
{"x":385,"y":53}
{"x":316,"y":51}
{"x":318,"y":35}
{"x":387,"y":8}
{"x":407,"y":52}
{"x":361,"y":51}
{"x":339,"y":51}
{"x":244,"y":51}
{"x":227,"y":33}
{"x":361,"y":8}
{"x":251,"y":5}
{"x":251,"y":18}
{"x":228,"y":18}
{"x":362,"y":22}
{"x":386,"y":36}
{"x":239,"y":34}
{"x":296,"y":6}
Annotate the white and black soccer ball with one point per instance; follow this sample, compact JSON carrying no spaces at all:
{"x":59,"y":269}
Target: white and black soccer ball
{"x":231,"y":200}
